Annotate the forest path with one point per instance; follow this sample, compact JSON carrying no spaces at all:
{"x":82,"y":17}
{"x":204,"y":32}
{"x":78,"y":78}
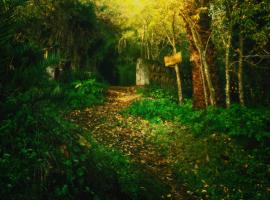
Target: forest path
{"x":130,"y":135}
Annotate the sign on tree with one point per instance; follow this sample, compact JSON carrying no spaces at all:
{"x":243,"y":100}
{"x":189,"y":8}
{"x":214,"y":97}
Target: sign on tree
{"x":172,"y":60}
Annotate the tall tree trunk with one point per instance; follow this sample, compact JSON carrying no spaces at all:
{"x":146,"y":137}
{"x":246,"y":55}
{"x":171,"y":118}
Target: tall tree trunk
{"x":227,"y":71}
{"x":199,"y":37}
{"x":212,"y":91}
{"x":176,"y":67}
{"x":200,"y":96}
{"x":240,"y":72}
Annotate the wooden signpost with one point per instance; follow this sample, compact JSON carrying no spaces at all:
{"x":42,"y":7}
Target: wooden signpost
{"x":170,"y":61}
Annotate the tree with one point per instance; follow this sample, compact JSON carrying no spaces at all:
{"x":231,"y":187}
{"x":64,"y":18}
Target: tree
{"x":67,"y":27}
{"x":222,"y":25}
{"x":198,"y":23}
{"x":241,"y":26}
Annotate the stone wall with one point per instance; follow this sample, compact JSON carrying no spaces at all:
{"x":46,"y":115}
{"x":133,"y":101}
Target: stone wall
{"x":154,"y":74}
{"x":162,"y":75}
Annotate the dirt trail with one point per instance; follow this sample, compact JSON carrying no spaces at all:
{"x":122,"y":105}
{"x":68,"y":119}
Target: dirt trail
{"x":129,"y":135}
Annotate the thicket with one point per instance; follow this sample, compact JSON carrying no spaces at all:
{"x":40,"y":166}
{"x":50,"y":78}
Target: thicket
{"x":43,"y":155}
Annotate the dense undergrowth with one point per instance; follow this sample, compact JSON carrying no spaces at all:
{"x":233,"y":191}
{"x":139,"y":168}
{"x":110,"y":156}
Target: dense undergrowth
{"x":227,"y":154}
{"x":44,"y":156}
{"x":253,"y":123}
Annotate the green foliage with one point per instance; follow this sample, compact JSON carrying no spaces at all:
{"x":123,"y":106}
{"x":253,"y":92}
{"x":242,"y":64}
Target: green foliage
{"x":30,"y":142}
{"x":33,"y":141}
{"x":226,"y":157}
{"x":153,"y":109}
{"x":33,"y":135}
{"x":239,"y":121}
{"x":235,"y":121}
{"x":42,"y":155}
{"x":46,"y":152}
{"x":48,"y":157}
{"x":117,"y":172}
{"x":248,"y":19}
{"x":68,"y":26}
{"x":83,"y":93}
{"x":215,"y":167}
{"x":158,"y":92}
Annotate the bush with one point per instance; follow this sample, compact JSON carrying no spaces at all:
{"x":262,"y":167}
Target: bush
{"x":77,"y":89}
{"x":38,"y":147}
{"x":237,"y":121}
{"x":84,"y":93}
{"x":158,"y":92}
{"x":151,"y":109}
{"x":30,"y":143}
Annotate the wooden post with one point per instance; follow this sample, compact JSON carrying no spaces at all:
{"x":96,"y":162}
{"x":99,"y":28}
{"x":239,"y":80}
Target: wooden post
{"x":178,"y":79}
{"x":172,"y":61}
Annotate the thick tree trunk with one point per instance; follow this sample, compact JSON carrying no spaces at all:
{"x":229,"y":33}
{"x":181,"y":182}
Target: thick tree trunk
{"x":199,"y":37}
{"x":240,"y":72}
{"x":198,"y":24}
{"x":200,"y":96}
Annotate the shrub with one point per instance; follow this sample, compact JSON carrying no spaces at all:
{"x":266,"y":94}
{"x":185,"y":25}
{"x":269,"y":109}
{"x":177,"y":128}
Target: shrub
{"x":30,"y":143}
{"x":55,"y":159}
{"x":151,"y":109}
{"x":38,"y":147}
{"x":85,"y":93}
{"x":158,"y":92}
{"x":237,"y":121}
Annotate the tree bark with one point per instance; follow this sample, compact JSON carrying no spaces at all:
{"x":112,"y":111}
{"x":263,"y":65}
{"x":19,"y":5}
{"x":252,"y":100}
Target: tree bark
{"x":228,"y":69}
{"x":200,"y":96}
{"x":240,"y":72}
{"x":199,"y":36}
{"x":212,"y":91}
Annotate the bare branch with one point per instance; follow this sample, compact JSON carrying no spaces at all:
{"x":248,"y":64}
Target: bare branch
{"x":207,"y":44}
{"x":258,"y":56}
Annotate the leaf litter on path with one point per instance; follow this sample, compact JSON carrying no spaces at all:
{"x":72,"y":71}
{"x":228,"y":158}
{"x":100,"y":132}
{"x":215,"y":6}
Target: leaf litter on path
{"x":130,"y":135}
